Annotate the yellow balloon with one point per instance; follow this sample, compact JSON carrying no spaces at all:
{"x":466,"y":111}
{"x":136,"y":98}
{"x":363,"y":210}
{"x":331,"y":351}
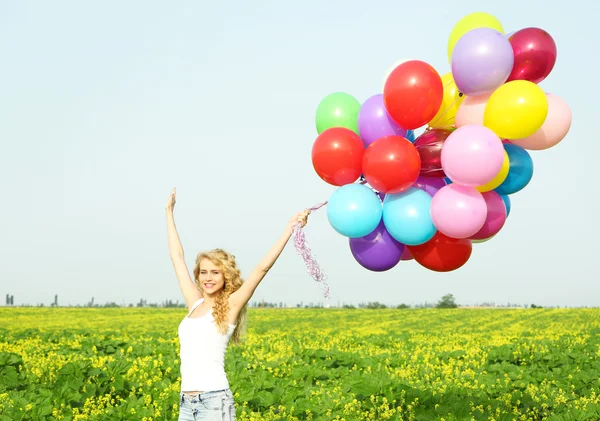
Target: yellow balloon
{"x":516,"y":109}
{"x":450,"y":102}
{"x":468,"y":23}
{"x":483,"y":240}
{"x":498,"y":179}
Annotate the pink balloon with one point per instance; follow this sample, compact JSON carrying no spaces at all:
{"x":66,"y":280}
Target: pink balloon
{"x":471,"y":110}
{"x":496,"y":216}
{"x":554,"y":129}
{"x":458,"y":211}
{"x":472,"y":155}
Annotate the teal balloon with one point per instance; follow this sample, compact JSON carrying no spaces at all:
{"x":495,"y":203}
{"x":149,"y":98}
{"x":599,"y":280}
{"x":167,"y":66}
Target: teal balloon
{"x":410,"y":135}
{"x":506,"y":203}
{"x":354,"y":210}
{"x":520,"y":171}
{"x":338,"y":109}
{"x":407,"y":216}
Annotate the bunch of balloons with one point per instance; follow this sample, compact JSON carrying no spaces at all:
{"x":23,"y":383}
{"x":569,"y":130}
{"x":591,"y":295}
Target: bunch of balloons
{"x":429,"y":197}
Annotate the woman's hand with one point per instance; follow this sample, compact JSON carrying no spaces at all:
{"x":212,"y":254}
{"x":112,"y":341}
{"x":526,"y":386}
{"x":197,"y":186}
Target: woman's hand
{"x":171,"y":202}
{"x":301,"y":217}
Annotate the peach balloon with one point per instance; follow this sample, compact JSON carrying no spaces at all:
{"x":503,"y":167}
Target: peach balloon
{"x":555,"y":127}
{"x":471,"y":110}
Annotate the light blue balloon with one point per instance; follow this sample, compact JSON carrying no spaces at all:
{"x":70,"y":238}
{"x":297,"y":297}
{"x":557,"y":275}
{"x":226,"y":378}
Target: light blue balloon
{"x":354,"y":210}
{"x":520,"y":171}
{"x":407,"y":216}
{"x":506,"y":203}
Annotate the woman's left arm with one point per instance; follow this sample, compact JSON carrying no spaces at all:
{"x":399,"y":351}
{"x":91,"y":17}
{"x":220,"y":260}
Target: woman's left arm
{"x":241,"y":297}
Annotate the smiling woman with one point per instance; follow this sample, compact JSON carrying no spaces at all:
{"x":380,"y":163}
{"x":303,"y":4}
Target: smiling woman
{"x":217,"y":301}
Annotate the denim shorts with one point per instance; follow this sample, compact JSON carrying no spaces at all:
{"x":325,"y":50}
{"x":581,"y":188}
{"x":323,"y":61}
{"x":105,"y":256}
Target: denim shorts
{"x":217,"y":405}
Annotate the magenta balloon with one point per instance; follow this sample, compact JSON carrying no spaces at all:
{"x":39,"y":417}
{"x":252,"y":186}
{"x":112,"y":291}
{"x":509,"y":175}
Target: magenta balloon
{"x":496,"y":216}
{"x":458,"y":211}
{"x":431,"y":185}
{"x":406,"y":255}
{"x":481,"y":61}
{"x":374,"y":121}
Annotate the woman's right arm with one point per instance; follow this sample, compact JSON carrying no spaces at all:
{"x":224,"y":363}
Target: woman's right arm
{"x":190,"y":291}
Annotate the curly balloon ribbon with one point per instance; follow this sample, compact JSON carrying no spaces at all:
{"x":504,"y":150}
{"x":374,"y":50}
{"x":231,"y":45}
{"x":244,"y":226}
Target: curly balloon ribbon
{"x":312,"y":266}
{"x":301,"y":245}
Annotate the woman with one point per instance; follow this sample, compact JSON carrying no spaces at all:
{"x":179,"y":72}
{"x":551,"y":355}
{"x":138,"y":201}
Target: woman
{"x":216,"y":302}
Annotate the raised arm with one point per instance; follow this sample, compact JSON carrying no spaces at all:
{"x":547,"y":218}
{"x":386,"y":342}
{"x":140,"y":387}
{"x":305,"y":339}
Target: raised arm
{"x":238,"y":299}
{"x":190,"y":291}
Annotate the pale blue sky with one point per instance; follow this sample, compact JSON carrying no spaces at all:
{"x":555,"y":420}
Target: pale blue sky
{"x":105,"y":106}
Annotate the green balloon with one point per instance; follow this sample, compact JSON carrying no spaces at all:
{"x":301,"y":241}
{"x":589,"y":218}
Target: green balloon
{"x":338,"y":109}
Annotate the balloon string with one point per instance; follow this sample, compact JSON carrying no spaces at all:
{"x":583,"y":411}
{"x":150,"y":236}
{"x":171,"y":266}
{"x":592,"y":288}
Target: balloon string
{"x":313,"y":268}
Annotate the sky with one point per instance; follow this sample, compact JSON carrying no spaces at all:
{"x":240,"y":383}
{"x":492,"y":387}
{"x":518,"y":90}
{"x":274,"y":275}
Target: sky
{"x":106,"y":106}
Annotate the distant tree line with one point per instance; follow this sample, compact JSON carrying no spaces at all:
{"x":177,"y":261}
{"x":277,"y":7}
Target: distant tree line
{"x":447,"y":301}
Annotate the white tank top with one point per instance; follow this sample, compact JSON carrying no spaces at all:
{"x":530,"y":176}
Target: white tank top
{"x":202,"y":353}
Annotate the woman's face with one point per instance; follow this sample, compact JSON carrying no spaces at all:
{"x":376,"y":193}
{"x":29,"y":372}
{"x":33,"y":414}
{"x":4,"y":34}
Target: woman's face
{"x":211,"y":278}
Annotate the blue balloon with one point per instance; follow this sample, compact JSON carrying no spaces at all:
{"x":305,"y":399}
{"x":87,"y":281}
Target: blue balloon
{"x":506,"y":203}
{"x":410,"y":135}
{"x":354,"y":210}
{"x":407,"y":216}
{"x":520,"y":171}
{"x":447,"y":180}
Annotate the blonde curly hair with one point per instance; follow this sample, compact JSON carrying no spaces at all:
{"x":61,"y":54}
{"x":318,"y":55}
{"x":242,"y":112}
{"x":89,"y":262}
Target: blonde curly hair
{"x":233,"y":281}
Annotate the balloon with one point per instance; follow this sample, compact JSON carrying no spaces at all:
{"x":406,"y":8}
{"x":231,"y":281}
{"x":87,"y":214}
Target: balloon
{"x":391,"y":69}
{"x":495,"y":218}
{"x":337,"y":156}
{"x":468,"y":23}
{"x":407,"y":216}
{"x":391,"y":164}
{"x":374,"y":121}
{"x":442,"y":253}
{"x":430,"y":185}
{"x":377,"y":251}
{"x":520,"y":171}
{"x":410,"y":135}
{"x":471,"y":110}
{"x":413,"y":94}
{"x":516,"y":110}
{"x":406,"y":254}
{"x":472,"y":155}
{"x":458,"y":211}
{"x":482,"y":61}
{"x":338,"y":109}
{"x":555,"y":127}
{"x":354,"y":210}
{"x":429,"y":145}
{"x":451,"y":100}
{"x":507,"y":203}
{"x":499,"y":178}
{"x":482,"y":241}
{"x":534,"y":53}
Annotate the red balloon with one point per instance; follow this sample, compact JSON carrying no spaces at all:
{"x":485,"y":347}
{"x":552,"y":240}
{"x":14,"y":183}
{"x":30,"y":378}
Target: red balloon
{"x":535,"y":55}
{"x":413,"y":94}
{"x":429,"y":145}
{"x":391,"y":164}
{"x":442,"y":253}
{"x":337,"y":156}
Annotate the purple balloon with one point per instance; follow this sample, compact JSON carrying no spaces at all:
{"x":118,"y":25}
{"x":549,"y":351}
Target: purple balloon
{"x":377,"y":251}
{"x":374,"y":121}
{"x":431,"y":185}
{"x":481,"y":61}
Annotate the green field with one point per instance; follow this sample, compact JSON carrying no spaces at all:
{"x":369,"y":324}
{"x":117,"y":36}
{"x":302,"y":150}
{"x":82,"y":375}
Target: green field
{"x":309,"y":364}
